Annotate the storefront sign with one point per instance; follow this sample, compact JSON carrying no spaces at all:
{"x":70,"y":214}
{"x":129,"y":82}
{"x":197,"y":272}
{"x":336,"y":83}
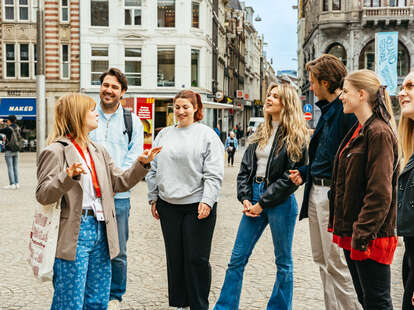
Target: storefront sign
{"x":23,"y":108}
{"x":386,"y":57}
{"x":239,"y":94}
{"x":145,"y":107}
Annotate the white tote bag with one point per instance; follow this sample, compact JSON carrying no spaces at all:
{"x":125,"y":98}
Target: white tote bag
{"x":43,"y":240}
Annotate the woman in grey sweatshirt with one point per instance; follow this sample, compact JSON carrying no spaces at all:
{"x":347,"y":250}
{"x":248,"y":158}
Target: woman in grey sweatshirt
{"x":183,"y":187}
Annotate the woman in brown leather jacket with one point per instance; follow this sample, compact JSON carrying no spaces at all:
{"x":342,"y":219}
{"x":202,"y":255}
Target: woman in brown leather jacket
{"x":363,"y":190}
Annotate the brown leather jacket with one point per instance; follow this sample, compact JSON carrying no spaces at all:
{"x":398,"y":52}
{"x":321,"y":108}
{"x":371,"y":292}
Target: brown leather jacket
{"x":364,"y":182}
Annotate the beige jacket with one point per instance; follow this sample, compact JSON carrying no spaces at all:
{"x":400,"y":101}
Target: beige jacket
{"x":53,"y":183}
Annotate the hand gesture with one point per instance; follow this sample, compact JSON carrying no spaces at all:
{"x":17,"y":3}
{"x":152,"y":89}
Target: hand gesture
{"x":203,"y":210}
{"x":295,"y":177}
{"x":75,"y":169}
{"x":148,"y":155}
{"x":154,"y":211}
{"x":253,"y":211}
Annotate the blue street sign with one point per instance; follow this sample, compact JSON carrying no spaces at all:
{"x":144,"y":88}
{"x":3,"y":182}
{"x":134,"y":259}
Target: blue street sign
{"x":307,"y":108}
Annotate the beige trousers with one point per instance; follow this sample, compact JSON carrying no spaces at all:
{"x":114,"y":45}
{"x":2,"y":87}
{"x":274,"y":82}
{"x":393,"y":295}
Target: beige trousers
{"x":337,"y":283}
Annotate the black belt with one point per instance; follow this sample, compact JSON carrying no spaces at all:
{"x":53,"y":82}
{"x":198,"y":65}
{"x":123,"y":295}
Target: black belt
{"x":321,"y":181}
{"x":259,"y":179}
{"x":88,"y":212}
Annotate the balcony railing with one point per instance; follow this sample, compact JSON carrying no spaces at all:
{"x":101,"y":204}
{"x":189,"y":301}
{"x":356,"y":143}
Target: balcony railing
{"x":387,"y":14}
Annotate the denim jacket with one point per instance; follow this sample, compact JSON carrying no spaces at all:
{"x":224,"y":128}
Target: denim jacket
{"x":111,"y":133}
{"x":228,"y":140}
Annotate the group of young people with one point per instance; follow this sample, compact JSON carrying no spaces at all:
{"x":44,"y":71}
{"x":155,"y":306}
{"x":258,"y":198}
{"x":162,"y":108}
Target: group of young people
{"x":350,"y":166}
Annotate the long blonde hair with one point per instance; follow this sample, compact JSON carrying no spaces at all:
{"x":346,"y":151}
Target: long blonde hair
{"x":293,"y":127}
{"x":406,"y":135}
{"x":368,"y":80}
{"x":70,"y":113}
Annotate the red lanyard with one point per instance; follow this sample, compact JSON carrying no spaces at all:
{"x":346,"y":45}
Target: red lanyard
{"x":93,"y":171}
{"x":353,"y":137}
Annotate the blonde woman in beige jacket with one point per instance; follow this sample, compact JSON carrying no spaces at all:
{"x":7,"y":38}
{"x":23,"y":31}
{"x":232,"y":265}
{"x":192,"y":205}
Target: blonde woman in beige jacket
{"x":83,"y":175}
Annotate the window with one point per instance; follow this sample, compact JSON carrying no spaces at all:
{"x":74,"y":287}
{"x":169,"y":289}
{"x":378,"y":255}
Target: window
{"x":23,"y":9}
{"x":339,"y":51}
{"x":99,"y":13}
{"x":10,"y":60}
{"x":133,"y":12}
{"x":64,"y":69}
{"x":196,"y":15}
{"x":24,"y":61}
{"x":166,"y":67}
{"x":133,"y":65}
{"x":35,"y":59}
{"x":325,"y":5}
{"x":195,"y":65}
{"x":336,"y":5}
{"x":64,"y":11}
{"x":372,"y":3}
{"x":99,"y":63}
{"x":9,"y":9}
{"x":166,"y":13}
{"x":398,"y":3}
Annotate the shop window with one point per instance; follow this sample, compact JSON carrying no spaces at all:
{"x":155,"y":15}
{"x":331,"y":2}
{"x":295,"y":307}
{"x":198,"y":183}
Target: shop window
{"x":64,"y":11}
{"x":65,"y":61}
{"x":195,"y":15}
{"x":166,"y":13}
{"x":133,"y":12}
{"x":337,"y":50}
{"x":99,"y":63}
{"x":195,"y":67}
{"x":133,"y":65}
{"x":166,"y":67}
{"x":99,"y":13}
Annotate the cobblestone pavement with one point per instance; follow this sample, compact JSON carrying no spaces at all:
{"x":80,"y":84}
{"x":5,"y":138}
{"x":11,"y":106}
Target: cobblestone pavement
{"x":147,"y":275}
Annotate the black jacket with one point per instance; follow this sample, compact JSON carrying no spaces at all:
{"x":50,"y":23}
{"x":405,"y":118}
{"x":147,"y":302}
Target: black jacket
{"x":405,"y":210}
{"x":277,"y":183}
{"x":331,"y":129}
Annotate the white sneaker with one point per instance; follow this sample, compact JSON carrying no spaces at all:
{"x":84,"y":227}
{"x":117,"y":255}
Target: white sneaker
{"x":114,"y":304}
{"x":10,"y":186}
{"x":17,"y":185}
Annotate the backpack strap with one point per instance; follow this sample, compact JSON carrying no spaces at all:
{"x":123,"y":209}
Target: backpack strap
{"x":128,"y":123}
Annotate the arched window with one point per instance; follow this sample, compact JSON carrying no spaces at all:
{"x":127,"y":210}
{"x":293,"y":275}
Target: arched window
{"x":367,"y":58}
{"x":337,"y":50}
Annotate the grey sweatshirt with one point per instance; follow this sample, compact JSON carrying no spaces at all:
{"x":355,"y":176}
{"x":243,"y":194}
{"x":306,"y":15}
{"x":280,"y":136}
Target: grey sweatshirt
{"x":189,"y":168}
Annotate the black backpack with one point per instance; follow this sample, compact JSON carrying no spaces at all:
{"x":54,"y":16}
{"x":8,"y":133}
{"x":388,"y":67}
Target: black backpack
{"x":128,"y":124}
{"x":15,"y":143}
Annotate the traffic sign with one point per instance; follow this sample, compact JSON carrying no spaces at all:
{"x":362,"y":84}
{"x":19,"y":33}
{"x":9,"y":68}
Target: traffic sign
{"x":307,"y":108}
{"x":308,"y":116}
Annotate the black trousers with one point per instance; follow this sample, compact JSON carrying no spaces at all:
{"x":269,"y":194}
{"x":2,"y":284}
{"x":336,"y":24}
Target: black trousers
{"x":187,"y":245}
{"x":372,"y":282}
{"x":408,"y":273}
{"x":230,"y":158}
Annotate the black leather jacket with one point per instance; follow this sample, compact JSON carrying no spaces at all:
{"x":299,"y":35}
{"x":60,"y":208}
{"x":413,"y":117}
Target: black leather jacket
{"x":277,"y":183}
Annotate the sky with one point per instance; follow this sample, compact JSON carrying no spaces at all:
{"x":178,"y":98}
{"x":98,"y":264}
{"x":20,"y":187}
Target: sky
{"x":279,"y":23}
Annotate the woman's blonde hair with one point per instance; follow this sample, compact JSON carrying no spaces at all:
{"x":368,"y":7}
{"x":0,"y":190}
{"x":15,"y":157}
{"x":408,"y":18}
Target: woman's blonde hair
{"x":70,"y":113}
{"x":378,"y":97}
{"x":293,"y":127}
{"x":406,"y":135}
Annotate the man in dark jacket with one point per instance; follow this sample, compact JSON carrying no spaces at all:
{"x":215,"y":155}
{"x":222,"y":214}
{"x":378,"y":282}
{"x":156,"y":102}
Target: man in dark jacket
{"x":325,"y":75}
{"x":11,"y":156}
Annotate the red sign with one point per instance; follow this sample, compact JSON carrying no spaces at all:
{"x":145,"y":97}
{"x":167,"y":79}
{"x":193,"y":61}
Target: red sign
{"x":239,"y":94}
{"x":246,"y":96}
{"x":308,"y":116}
{"x":144,"y":112}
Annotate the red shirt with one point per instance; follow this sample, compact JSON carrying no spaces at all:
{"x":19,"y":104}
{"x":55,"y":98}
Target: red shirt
{"x":380,"y":250}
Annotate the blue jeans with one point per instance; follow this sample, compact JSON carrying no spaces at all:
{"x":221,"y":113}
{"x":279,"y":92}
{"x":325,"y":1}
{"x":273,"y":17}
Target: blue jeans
{"x":83,"y":284}
{"x":11,"y":162}
{"x":281,"y":219}
{"x":119,"y":263}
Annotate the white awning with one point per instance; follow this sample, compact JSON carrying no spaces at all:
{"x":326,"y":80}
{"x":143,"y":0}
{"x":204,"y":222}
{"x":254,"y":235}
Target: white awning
{"x":217,"y":105}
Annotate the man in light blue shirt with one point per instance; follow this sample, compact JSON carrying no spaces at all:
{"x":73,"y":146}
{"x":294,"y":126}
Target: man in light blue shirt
{"x":112,"y":132}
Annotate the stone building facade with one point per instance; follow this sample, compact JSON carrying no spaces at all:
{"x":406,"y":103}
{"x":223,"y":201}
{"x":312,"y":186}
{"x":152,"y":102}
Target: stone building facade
{"x":346,"y":29}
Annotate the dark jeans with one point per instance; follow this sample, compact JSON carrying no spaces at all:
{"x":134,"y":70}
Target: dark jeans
{"x":372,"y":282}
{"x":230,"y":158}
{"x":408,"y":274}
{"x":187,"y":245}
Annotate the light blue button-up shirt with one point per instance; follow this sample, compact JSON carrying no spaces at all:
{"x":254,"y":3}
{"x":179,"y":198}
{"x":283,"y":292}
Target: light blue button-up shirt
{"x":112,"y":134}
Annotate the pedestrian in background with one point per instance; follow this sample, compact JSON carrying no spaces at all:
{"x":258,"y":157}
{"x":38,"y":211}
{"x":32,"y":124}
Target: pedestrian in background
{"x":326,"y":74}
{"x":405,"y":212}
{"x":123,"y":145}
{"x":363,"y":200}
{"x":183,"y":189}
{"x":266,"y":192}
{"x":84,"y":176}
{"x":11,"y":154}
{"x":231,"y":147}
